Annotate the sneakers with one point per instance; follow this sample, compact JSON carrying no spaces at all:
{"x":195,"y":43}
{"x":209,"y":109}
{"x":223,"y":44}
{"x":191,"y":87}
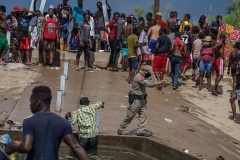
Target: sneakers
{"x":44,"y":64}
{"x":143,"y":134}
{"x":119,"y":132}
{"x":51,"y":65}
{"x":174,"y":87}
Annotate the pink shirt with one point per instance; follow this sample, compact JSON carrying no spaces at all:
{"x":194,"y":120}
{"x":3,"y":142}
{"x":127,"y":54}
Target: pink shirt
{"x":207,"y":54}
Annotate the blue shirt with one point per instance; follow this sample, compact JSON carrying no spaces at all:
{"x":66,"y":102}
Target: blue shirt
{"x":48,"y":130}
{"x":78,"y":13}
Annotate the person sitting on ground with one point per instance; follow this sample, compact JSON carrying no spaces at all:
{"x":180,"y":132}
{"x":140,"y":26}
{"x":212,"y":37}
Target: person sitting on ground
{"x":85,"y":118}
{"x":206,"y":59}
{"x":44,"y":131}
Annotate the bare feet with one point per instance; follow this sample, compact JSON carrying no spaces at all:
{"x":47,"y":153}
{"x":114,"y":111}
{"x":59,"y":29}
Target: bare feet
{"x":234,"y":119}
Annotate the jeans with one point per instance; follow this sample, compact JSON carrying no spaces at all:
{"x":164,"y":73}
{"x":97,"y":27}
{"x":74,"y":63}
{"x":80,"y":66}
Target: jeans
{"x":205,"y":66}
{"x":113,"y":56}
{"x":176,"y":61}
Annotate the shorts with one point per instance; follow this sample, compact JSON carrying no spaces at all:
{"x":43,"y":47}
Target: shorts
{"x":152,"y":45}
{"x":89,"y":144}
{"x":49,"y":40}
{"x":144,"y":58}
{"x":64,"y":30}
{"x":85,"y":49}
{"x":219,"y":66}
{"x":236,"y":94}
{"x":124,"y":52}
{"x":205,"y":66}
{"x":233,"y":71}
{"x":25,"y":43}
{"x":4,"y":44}
{"x":100,"y":33}
{"x":159,"y":63}
{"x":133,"y":63}
{"x":186,"y":61}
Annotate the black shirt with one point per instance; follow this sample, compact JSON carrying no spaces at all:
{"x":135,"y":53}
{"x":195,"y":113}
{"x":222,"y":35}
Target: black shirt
{"x":23,"y":23}
{"x":165,"y":42}
{"x":186,"y":38}
{"x":48,"y":130}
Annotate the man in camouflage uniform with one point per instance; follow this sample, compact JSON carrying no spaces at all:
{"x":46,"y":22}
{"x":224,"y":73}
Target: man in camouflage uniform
{"x":138,"y":101}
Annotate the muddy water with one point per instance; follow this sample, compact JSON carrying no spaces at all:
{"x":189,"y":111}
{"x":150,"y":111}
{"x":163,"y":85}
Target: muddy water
{"x":66,"y":154}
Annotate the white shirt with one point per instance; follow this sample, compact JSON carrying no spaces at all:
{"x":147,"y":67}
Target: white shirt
{"x":143,"y":38}
{"x":91,"y":22}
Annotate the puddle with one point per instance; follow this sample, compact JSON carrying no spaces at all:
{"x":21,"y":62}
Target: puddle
{"x":66,"y":154}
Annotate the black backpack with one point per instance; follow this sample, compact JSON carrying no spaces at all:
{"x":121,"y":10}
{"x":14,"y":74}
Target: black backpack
{"x":177,"y":24}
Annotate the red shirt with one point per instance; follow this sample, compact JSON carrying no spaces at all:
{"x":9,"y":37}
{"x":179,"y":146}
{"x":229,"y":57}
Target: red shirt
{"x":113,"y":28}
{"x":162,"y":23}
{"x":50,"y":28}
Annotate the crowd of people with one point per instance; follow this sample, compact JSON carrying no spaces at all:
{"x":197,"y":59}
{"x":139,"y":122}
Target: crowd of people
{"x":168,"y":47}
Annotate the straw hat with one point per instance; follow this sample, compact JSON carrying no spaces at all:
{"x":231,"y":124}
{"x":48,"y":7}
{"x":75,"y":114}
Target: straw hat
{"x":207,"y":39}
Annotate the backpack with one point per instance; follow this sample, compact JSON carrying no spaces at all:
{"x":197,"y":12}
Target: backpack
{"x":177,"y":24}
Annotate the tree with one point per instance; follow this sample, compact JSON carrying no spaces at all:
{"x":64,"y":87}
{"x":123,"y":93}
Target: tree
{"x":139,"y":11}
{"x":156,"y":7}
{"x":233,"y":15}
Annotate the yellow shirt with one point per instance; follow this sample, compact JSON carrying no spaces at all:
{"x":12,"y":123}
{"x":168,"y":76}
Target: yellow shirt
{"x":181,"y":28}
{"x":131,"y":40}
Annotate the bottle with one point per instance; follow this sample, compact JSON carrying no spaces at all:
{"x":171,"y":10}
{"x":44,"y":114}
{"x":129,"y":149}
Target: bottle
{"x":97,"y":121}
{"x":5,"y":139}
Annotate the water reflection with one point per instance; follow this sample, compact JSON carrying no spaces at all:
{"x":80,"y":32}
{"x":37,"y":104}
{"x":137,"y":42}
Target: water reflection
{"x":66,"y":154}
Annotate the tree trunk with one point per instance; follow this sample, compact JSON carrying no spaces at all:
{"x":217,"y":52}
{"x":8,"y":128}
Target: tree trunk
{"x":156,"y":7}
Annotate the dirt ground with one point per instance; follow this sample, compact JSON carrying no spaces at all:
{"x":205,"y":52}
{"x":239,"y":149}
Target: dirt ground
{"x":206,"y":131}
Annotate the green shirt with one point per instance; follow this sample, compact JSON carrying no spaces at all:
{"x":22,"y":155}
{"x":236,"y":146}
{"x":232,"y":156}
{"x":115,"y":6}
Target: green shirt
{"x":85,"y":118}
{"x":131,"y":40}
{"x":2,"y":31}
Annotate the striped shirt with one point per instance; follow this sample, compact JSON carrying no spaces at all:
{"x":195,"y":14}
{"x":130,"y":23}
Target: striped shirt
{"x":85,"y":118}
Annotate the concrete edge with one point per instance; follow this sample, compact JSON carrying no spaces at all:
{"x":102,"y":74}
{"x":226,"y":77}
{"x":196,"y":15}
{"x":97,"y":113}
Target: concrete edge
{"x":139,"y":145}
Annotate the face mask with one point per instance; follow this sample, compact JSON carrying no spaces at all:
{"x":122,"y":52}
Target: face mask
{"x":147,"y":75}
{"x":207,"y":43}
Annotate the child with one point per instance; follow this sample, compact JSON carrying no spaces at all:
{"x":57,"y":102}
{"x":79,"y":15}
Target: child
{"x":85,"y":118}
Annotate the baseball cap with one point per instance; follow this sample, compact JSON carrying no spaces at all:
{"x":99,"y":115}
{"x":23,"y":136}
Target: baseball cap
{"x":84,"y":100}
{"x":16,"y":8}
{"x":159,"y":14}
{"x":148,"y":68}
{"x":51,"y":6}
{"x":202,"y":17}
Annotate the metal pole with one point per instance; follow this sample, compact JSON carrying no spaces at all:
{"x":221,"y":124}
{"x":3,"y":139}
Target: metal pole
{"x":65,"y":69}
{"x":59,"y":100}
{"x":62,"y":83}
